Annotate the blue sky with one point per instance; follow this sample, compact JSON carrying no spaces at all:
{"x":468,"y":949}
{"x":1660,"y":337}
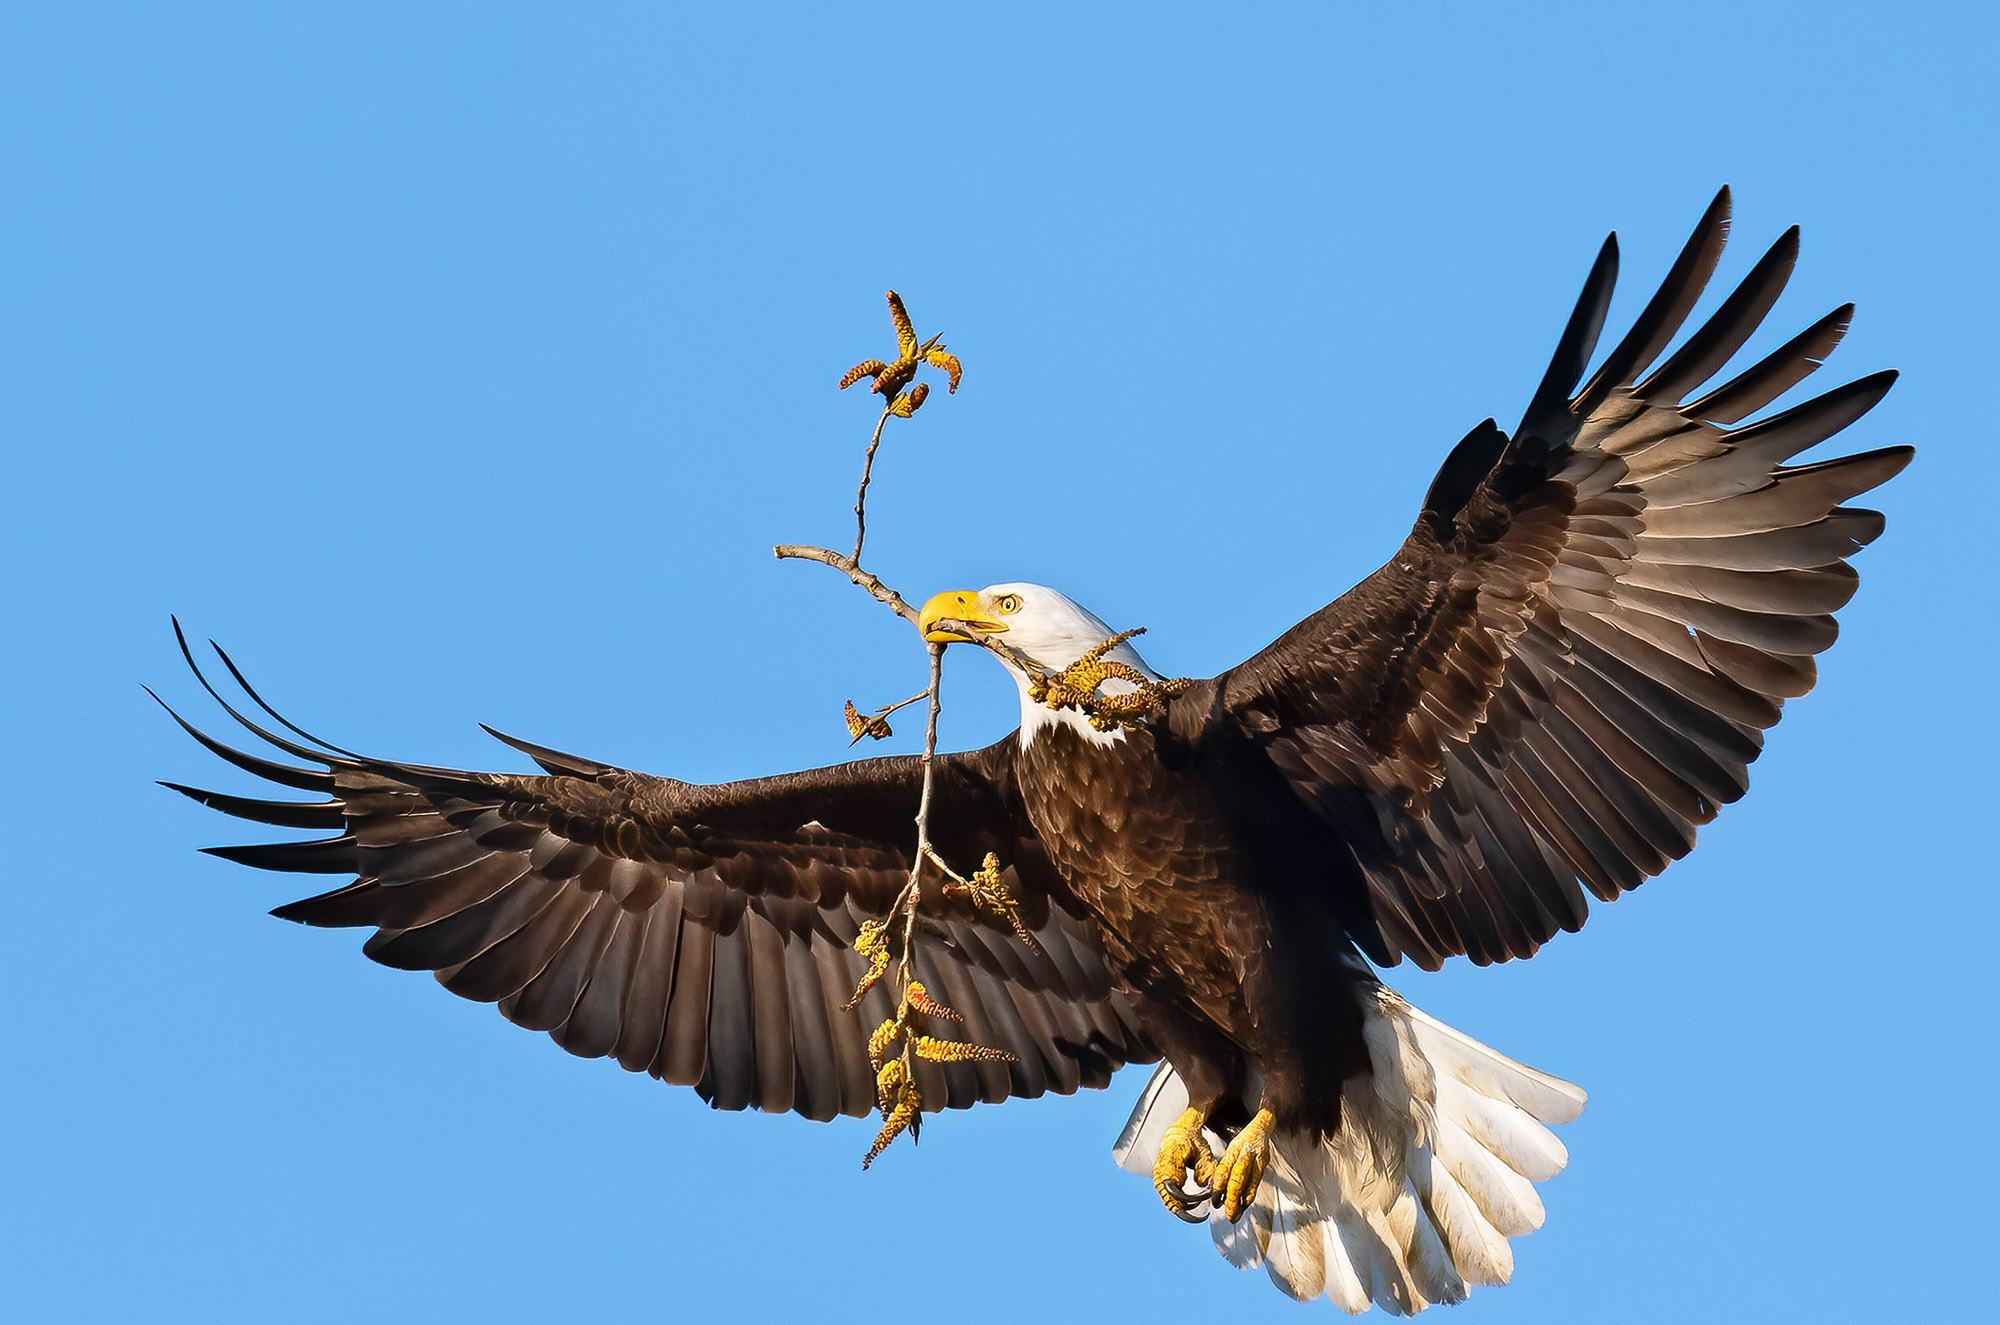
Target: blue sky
{"x":464,"y":366}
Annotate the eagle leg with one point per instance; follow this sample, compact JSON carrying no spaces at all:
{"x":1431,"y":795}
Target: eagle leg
{"x":1183,"y":1151}
{"x":1241,"y":1167}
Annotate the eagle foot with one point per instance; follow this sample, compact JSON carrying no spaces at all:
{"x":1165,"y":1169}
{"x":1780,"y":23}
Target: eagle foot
{"x":1242,"y":1165}
{"x":1183,"y":1152}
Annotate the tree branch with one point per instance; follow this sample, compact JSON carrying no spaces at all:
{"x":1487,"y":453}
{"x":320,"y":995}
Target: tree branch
{"x":896,"y":603}
{"x":883,"y":594}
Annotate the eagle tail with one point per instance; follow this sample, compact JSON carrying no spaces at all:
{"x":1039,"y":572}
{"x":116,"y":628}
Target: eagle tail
{"x":1413,"y":1200}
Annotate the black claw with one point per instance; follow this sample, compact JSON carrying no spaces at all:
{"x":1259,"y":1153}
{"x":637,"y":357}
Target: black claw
{"x":1201,"y":1196}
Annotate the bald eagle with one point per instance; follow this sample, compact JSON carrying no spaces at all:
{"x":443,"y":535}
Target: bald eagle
{"x":1564,"y":670}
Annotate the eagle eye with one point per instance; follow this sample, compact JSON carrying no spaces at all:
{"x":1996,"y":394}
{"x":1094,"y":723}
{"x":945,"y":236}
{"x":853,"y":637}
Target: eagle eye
{"x":1008,"y":604}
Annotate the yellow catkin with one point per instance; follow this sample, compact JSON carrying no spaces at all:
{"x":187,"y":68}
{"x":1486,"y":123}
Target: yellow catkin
{"x":989,"y":892}
{"x":906,"y":335}
{"x":920,"y":1000}
{"x":1075,"y":686}
{"x":866,"y":368}
{"x":877,"y":969}
{"x":896,"y":1121}
{"x":949,"y":365}
{"x":893,"y":377}
{"x":953,"y":1051}
{"x":879,"y":1042}
{"x":889,"y":1079}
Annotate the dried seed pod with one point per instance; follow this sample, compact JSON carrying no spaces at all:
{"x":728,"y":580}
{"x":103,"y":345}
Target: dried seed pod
{"x":858,"y":726}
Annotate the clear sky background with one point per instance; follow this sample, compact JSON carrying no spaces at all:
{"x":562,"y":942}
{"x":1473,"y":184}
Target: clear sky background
{"x":465,"y":365}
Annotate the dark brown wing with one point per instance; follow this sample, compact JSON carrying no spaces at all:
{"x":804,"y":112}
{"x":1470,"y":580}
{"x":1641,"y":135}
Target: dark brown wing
{"x":1570,"y":663}
{"x":699,"y":933}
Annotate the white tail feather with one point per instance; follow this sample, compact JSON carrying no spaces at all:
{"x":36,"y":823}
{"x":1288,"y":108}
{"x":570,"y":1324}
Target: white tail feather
{"x":1164,"y":1099}
{"x":1413,"y":1200}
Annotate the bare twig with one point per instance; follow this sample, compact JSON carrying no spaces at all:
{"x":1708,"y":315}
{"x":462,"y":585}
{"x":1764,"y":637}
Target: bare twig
{"x":896,"y":603}
{"x":845,"y":565}
{"x":924,"y":852}
{"x":993,"y":644}
{"x":887,"y":709}
{"x":861,"y":493}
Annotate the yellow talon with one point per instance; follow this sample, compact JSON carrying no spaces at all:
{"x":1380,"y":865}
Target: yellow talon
{"x":1242,"y":1165}
{"x":1183,"y":1151}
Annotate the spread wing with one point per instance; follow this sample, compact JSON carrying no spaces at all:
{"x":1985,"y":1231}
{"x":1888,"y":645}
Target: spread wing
{"x":698,"y":933}
{"x":1570,"y":663}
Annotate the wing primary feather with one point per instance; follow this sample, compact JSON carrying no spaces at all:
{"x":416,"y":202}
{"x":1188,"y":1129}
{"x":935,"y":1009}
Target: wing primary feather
{"x":305,"y":779}
{"x":1719,"y":338}
{"x":289,"y":747}
{"x":1666,"y":310}
{"x":1774,"y":374}
{"x":281,"y":814}
{"x":258,"y":700}
{"x":1548,"y":409}
{"x":552,"y":761}
{"x":1463,"y":470}
{"x":328,"y":855}
{"x":392,"y":904}
{"x":1756,"y":451}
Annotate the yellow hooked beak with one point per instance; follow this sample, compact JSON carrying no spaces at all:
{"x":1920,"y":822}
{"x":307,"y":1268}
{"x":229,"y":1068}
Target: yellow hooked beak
{"x":954,"y":605}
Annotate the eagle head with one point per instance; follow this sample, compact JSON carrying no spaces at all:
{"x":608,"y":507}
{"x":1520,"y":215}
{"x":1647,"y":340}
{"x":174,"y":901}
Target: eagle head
{"x":1049,"y":627}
